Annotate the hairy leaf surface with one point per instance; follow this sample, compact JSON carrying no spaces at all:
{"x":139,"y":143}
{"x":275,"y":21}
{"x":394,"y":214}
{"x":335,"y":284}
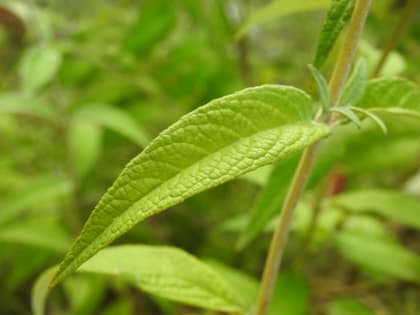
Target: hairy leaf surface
{"x":338,"y":16}
{"x":215,"y":143}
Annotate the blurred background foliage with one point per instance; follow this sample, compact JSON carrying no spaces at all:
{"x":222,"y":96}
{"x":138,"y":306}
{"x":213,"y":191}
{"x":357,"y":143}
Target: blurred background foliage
{"x":85,"y":85}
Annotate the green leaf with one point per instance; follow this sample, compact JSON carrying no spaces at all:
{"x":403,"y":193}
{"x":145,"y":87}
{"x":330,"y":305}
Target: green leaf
{"x":378,"y":121}
{"x":394,"y":64}
{"x":380,"y":256}
{"x":347,"y":306}
{"x":217,"y":142}
{"x":290,"y":295}
{"x":356,"y":85}
{"x":38,"y":67}
{"x":245,"y":286}
{"x":36,"y":191}
{"x":348,"y":113}
{"x":156,"y":20}
{"x":18,"y":103}
{"x":392,"y":94}
{"x":167,"y":272}
{"x":322,"y":84}
{"x":43,"y":232}
{"x":84,"y":142}
{"x":269,"y":201}
{"x":40,"y":291}
{"x":397,"y":206}
{"x":338,"y":15}
{"x":278,"y":8}
{"x":115,"y":119}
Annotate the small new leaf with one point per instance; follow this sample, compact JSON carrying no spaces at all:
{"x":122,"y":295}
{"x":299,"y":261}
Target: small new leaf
{"x":372,"y":116}
{"x":348,"y":113}
{"x":322,"y":85}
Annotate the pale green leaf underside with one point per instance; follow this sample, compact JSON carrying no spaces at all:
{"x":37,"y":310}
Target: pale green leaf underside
{"x":278,"y":8}
{"x":393,"y":94}
{"x":226,"y":138}
{"x":40,"y":291}
{"x":167,"y":272}
{"x":338,"y":16}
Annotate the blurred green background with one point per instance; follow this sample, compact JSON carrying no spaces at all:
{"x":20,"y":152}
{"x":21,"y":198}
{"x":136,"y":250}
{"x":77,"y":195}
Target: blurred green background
{"x":85,"y":85}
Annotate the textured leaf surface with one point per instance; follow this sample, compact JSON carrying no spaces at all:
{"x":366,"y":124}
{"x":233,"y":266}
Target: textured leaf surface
{"x":278,"y":8}
{"x":338,"y":16}
{"x":114,"y":119}
{"x":380,"y":256}
{"x":215,"y":143}
{"x":391,"y":93}
{"x":394,"y":205}
{"x":167,"y":272}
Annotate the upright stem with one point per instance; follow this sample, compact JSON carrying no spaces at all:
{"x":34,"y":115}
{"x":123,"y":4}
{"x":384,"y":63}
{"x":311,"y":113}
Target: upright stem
{"x":408,"y":11}
{"x":336,"y":85}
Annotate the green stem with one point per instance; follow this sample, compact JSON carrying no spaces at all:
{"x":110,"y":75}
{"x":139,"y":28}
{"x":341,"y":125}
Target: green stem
{"x":306,"y":162}
{"x":408,"y":11}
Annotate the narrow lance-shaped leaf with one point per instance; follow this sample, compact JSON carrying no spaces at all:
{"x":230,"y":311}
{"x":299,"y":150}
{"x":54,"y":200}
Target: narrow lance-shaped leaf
{"x":338,"y":16}
{"x":226,"y":138}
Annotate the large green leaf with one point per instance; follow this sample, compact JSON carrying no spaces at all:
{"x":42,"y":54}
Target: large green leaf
{"x":278,"y":8}
{"x":338,"y":16}
{"x":215,"y":143}
{"x":393,"y":95}
{"x":164,"y":271}
{"x":392,"y":204}
{"x":271,"y":197}
{"x":115,"y":119}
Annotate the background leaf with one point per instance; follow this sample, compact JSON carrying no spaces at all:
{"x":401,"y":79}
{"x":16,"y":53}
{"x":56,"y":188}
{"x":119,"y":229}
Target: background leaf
{"x":115,"y":119}
{"x":278,"y":8}
{"x":38,"y":67}
{"x":394,"y":205}
{"x":84,"y":141}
